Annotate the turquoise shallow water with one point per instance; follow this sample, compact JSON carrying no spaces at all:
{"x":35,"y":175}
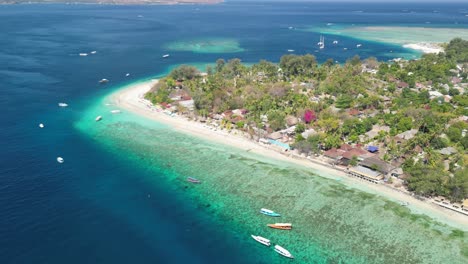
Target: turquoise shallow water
{"x":116,"y":200}
{"x":332,"y":223}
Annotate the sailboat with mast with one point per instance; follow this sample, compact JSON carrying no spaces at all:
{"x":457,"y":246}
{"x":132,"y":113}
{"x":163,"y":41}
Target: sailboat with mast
{"x":321,"y":43}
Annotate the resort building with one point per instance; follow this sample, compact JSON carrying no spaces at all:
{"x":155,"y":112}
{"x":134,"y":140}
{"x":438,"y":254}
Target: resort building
{"x":364,"y":173}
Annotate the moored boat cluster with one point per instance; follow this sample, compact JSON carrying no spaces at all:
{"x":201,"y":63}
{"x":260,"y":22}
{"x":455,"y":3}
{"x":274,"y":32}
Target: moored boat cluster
{"x":283,"y":226}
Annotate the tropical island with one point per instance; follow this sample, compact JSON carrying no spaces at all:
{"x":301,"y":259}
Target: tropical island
{"x":116,"y":2}
{"x":399,"y":123}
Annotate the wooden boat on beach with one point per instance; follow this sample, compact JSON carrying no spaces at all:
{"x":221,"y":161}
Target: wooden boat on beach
{"x":282,"y":226}
{"x":269,"y":212}
{"x":193,"y":180}
{"x":261,"y":240}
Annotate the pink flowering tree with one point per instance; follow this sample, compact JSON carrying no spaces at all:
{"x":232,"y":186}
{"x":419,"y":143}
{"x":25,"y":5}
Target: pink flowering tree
{"x":309,"y":116}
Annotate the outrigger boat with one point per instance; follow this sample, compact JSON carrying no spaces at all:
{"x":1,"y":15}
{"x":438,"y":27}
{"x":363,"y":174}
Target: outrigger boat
{"x":193,"y":180}
{"x":282,"y":251}
{"x":269,"y":212}
{"x":261,"y":240}
{"x":283,"y":226}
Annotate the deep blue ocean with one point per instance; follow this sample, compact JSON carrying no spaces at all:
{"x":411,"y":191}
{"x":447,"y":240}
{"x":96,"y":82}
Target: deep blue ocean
{"x":97,"y":207}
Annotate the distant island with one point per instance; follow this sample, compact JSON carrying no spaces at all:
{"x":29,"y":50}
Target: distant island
{"x":110,"y":2}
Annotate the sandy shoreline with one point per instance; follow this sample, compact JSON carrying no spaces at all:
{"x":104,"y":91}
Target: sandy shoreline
{"x":131,"y":99}
{"x":425,"y":47}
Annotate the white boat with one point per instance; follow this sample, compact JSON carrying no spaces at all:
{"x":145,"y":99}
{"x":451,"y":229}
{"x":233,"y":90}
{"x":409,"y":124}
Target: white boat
{"x":290,"y":27}
{"x":261,"y":240}
{"x":116,"y":111}
{"x":41,"y":125}
{"x":358,"y":45}
{"x":321,"y":43}
{"x":62,"y":104}
{"x":103,"y":80}
{"x":98,"y":118}
{"x":335,"y":42}
{"x":166,"y":56}
{"x":83,"y":54}
{"x":345,"y":48}
{"x":282,"y":251}
{"x":93,"y":52}
{"x":60,"y":160}
{"x":290,"y":50}
{"x":269,"y":212}
{"x":128,"y":74}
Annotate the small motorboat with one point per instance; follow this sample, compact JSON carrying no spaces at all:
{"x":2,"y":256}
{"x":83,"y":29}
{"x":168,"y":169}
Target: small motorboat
{"x":83,"y":54}
{"x":62,"y":104}
{"x":102,"y":81}
{"x":290,"y":50}
{"x":261,"y":240}
{"x":41,"y":125}
{"x":193,"y":180}
{"x":98,"y":118}
{"x":128,"y":74}
{"x":93,"y":52}
{"x":60,"y":160}
{"x":116,"y":111}
{"x":335,"y":42}
{"x":358,"y":45}
{"x":282,"y":251}
{"x":282,"y":226}
{"x":269,"y":212}
{"x":166,"y":56}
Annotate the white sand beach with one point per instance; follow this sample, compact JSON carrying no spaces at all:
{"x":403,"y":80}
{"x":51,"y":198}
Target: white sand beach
{"x":424,"y":39}
{"x":425,"y":47}
{"x":131,"y":99}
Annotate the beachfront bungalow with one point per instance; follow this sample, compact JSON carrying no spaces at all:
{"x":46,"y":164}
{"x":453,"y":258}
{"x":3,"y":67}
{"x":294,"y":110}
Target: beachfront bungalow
{"x":348,"y":155}
{"x":275,"y":136}
{"x":364,"y":173}
{"x":334,"y":155}
{"x":346,"y":147}
{"x":274,"y":139}
{"x":377,"y":164}
{"x":188,"y":104}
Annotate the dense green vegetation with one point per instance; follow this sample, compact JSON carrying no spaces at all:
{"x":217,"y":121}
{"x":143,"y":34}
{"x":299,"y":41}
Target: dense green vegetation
{"x":341,"y":103}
